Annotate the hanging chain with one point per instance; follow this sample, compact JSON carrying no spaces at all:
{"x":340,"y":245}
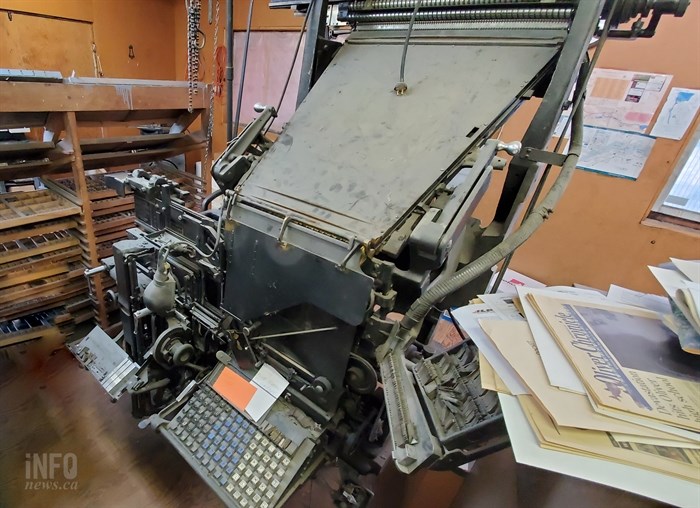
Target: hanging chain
{"x":210,"y":126}
{"x":193,"y":15}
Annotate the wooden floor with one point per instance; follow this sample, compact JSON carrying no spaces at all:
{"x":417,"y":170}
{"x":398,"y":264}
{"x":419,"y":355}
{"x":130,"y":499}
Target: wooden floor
{"x":49,"y":404}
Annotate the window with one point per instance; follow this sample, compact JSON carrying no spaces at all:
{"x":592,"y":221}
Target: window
{"x":679,"y":202}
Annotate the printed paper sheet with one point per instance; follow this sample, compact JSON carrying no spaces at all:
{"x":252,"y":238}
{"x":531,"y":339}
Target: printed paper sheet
{"x":677,"y":114}
{"x":615,"y":153}
{"x":624,"y":100}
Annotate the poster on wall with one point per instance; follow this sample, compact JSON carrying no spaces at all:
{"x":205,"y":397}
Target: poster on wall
{"x":624,"y":100}
{"x":678,"y":113}
{"x":614,"y":153}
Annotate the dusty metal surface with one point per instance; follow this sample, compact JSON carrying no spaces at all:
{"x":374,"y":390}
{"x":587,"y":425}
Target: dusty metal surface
{"x":358,"y":157}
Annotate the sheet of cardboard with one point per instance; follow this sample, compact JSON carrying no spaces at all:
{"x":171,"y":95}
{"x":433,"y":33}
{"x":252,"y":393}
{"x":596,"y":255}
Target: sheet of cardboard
{"x":467,"y":317}
{"x":678,"y":462}
{"x":234,"y":388}
{"x":559,"y":371}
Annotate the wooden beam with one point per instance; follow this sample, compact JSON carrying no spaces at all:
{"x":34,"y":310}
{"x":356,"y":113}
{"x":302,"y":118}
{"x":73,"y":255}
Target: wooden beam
{"x":33,"y":97}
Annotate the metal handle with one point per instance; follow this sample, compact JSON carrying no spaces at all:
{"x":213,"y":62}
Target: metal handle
{"x":90,"y":272}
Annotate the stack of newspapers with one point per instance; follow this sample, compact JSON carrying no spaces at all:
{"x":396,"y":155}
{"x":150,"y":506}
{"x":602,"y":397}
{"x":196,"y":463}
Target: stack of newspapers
{"x":592,"y":387}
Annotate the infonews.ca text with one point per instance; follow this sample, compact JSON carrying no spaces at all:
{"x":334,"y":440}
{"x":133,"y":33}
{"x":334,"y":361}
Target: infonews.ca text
{"x":51,"y":471}
{"x":50,"y":485}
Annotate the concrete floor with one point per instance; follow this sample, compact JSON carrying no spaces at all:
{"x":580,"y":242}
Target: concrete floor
{"x":49,"y":404}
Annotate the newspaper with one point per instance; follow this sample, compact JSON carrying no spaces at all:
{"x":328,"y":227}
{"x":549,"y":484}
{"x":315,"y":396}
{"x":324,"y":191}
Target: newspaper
{"x":627,"y":359}
{"x":568,"y":409}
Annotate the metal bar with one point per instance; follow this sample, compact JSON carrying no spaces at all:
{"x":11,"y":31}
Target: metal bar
{"x":522,"y":172}
{"x":229,"y":70}
{"x":317,"y":28}
{"x":298,"y":332}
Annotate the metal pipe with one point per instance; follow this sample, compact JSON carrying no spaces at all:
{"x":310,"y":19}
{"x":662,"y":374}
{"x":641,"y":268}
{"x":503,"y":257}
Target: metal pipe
{"x":229,"y":69}
{"x":244,"y":64}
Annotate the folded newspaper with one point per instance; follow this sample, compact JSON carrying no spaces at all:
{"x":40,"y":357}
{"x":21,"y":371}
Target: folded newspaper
{"x":682,"y":284}
{"x":627,"y":360}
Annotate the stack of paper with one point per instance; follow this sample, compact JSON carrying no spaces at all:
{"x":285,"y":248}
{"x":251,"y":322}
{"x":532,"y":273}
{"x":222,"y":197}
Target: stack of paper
{"x":603,"y":389}
{"x":682,"y":284}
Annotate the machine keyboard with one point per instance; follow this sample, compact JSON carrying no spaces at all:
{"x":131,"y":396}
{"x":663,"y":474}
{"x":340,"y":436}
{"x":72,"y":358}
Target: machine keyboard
{"x":245,"y":464}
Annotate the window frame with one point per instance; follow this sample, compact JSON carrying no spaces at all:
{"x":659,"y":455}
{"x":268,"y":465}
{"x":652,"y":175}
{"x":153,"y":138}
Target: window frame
{"x":664,"y":213}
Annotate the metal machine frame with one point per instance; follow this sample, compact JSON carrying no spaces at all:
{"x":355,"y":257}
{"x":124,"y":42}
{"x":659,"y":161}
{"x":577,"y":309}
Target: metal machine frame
{"x":307,"y":263}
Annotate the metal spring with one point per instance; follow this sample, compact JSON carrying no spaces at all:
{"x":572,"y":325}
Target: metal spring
{"x":553,"y":24}
{"x":381,"y":5}
{"x":460,"y":14}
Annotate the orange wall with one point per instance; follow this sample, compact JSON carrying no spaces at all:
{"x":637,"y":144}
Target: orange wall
{"x":595,"y":236}
{"x":147,"y":25}
{"x":264,"y":19}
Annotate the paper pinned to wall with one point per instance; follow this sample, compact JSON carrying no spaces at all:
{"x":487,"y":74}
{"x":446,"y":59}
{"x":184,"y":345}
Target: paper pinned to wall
{"x":614,"y":153}
{"x":624,"y":100}
{"x":678,"y":113}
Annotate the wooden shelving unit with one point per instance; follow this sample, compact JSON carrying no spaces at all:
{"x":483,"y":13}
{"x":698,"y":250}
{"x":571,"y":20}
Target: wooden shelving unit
{"x":72,"y":160}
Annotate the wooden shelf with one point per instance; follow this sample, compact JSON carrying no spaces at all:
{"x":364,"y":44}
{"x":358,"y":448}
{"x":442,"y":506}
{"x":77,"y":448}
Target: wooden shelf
{"x":9,"y":149}
{"x":94,"y":214}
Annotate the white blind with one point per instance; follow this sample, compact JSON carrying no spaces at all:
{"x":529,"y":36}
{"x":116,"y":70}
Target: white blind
{"x":685,"y":193}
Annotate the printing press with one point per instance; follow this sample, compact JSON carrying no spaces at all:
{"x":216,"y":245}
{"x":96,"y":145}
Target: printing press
{"x":337,"y":246}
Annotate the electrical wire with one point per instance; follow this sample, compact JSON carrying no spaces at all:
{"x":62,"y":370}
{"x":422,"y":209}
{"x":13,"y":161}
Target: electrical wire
{"x":224,"y":212}
{"x":294,"y":61}
{"x":244,"y":66}
{"x":296,"y":53}
{"x":401,"y":87}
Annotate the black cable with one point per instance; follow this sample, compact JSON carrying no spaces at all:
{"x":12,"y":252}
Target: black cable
{"x":401,"y":87}
{"x":457,"y":327}
{"x":244,"y":65}
{"x":294,"y":61}
{"x":211,"y":197}
{"x":296,"y":53}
